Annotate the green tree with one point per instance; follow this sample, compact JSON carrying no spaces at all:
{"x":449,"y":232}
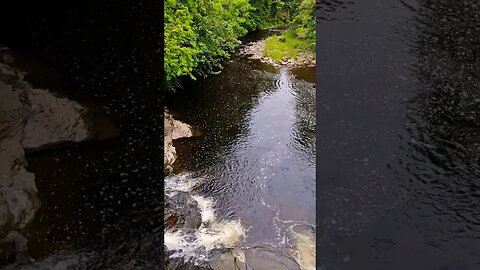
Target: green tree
{"x":305,"y":21}
{"x":199,"y":34}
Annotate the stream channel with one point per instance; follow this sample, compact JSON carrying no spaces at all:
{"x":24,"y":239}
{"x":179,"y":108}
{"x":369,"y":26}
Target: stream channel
{"x":253,"y":169}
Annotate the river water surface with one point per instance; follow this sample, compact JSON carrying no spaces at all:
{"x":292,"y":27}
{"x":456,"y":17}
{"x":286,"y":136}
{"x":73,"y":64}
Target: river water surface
{"x":398,"y":135}
{"x":256,"y":157}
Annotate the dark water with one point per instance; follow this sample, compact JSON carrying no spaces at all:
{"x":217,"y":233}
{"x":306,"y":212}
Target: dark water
{"x":398,"y":135}
{"x":102,"y":198}
{"x":256,"y":157}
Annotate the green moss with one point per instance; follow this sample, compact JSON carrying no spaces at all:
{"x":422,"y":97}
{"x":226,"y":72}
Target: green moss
{"x":287,"y":45}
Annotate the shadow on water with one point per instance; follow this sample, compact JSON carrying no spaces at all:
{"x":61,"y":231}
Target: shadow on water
{"x":103,"y":198}
{"x":398,"y":92}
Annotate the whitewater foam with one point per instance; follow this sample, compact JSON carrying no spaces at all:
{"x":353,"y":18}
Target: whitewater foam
{"x":305,"y":249}
{"x":212,"y":233}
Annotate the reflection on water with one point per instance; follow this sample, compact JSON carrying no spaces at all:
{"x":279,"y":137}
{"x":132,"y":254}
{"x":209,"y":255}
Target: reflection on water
{"x":400,"y":117}
{"x":257,"y":154}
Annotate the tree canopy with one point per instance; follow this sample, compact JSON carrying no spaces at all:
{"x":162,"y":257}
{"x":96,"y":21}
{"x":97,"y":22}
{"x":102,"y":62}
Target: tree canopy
{"x":200,"y":34}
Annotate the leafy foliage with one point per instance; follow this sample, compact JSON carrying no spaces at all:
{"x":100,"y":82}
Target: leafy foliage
{"x":271,"y":14}
{"x":200,"y":34}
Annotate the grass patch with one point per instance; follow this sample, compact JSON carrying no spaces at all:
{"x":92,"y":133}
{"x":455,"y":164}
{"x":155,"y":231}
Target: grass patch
{"x":288,"y":45}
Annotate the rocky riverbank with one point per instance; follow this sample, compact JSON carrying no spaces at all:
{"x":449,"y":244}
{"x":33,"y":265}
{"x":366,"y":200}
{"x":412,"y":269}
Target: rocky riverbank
{"x":31,"y":119}
{"x":174,"y":130}
{"x":255,"y":50}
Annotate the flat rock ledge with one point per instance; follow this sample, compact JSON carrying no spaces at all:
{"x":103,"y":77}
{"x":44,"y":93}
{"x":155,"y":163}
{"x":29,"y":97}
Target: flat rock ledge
{"x":255,"y":50}
{"x":30,"y":119}
{"x":174,"y":130}
{"x":258,"y":258}
{"x":261,"y":258}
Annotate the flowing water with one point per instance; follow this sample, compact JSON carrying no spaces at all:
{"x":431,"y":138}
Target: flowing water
{"x":398,"y":134}
{"x":255,"y":162}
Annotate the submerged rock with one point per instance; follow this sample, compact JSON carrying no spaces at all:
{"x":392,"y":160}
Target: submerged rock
{"x":179,"y":264}
{"x":182,"y":212}
{"x":299,"y":256}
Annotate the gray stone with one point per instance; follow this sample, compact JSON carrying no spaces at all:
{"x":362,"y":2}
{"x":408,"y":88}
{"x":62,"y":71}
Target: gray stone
{"x":185,"y":210}
{"x":53,"y":120}
{"x":258,"y":258}
{"x":174,"y":130}
{"x":18,"y":193}
{"x":30,"y":119}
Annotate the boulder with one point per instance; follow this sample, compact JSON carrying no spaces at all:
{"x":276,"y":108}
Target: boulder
{"x":182,"y":212}
{"x":18,"y":193}
{"x":31,"y":119}
{"x":53,"y":121}
{"x":174,"y":130}
{"x":258,"y":258}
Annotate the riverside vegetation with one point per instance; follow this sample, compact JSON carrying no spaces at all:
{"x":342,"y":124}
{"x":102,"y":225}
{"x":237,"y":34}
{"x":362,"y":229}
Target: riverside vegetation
{"x":201,"y":34}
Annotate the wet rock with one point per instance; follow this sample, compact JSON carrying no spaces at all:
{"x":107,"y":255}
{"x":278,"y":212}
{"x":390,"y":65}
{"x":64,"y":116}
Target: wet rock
{"x":304,"y":239}
{"x":18,"y":193}
{"x":169,"y":152}
{"x":258,"y":258}
{"x":168,"y":170}
{"x":53,"y":120}
{"x":170,"y":220}
{"x":29,"y":119}
{"x":181,"y":211}
{"x":227,"y":260}
{"x":179,"y":264}
{"x":174,"y":130}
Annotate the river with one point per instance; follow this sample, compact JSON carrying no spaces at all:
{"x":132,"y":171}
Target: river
{"x":101,"y":200}
{"x":398,"y":135}
{"x":256,"y":158}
